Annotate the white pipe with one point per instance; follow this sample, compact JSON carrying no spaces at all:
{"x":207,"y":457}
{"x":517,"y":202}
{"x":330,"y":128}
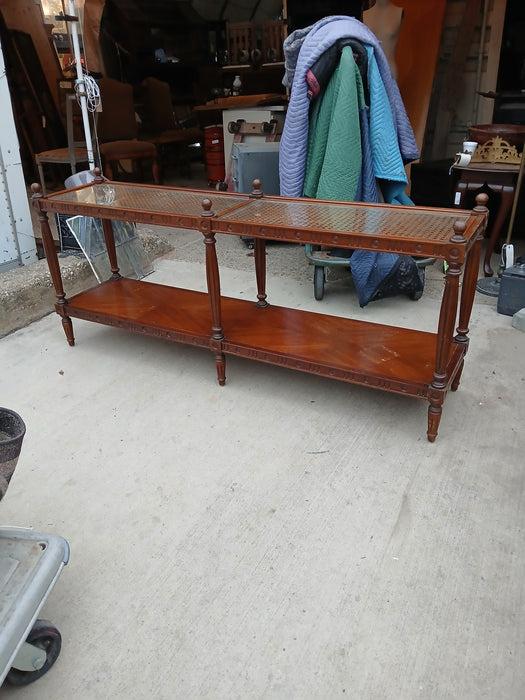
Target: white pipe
{"x":79,"y":87}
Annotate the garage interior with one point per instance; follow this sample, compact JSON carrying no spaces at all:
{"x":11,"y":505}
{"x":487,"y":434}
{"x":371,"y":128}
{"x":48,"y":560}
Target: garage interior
{"x":460,"y":62}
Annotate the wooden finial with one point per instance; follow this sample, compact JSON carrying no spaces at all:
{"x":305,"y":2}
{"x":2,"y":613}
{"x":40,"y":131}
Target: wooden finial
{"x":206,"y":205}
{"x":481,"y":201}
{"x":36,"y":189}
{"x":459,"y":230}
{"x":97,"y":172}
{"x":257,"y":191}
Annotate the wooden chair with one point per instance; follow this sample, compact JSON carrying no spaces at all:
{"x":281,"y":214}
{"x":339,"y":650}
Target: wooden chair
{"x":162,"y":126}
{"x":117,"y":130}
{"x":241,"y":41}
{"x":75,"y":152}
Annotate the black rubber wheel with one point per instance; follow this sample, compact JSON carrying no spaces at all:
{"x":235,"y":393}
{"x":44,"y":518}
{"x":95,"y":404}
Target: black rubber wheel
{"x":44,"y":636}
{"x":319,"y":282}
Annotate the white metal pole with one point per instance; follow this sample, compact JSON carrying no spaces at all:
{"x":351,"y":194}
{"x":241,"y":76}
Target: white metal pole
{"x":80,"y":85}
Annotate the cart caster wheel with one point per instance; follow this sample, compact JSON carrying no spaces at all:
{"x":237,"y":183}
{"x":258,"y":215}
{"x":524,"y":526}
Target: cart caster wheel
{"x":43,"y":636}
{"x":319,"y":277}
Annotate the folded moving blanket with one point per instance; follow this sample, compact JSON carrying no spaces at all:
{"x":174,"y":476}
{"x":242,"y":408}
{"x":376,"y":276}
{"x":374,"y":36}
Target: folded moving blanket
{"x":348,"y":152}
{"x":302,"y":50}
{"x":320,"y":73}
{"x":334,"y":158}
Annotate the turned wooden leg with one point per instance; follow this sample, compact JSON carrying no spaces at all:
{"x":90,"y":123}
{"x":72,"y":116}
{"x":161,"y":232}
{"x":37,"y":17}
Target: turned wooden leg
{"x":212,"y":272}
{"x":54,"y":265}
{"x":435,"y":398}
{"x":259,"y":255}
{"x":109,"y":239}
{"x":470,"y":275}
{"x":214,"y":291}
{"x":220,"y":364}
{"x":67,"y":325}
{"x":468,"y":290}
{"x":213,"y":283}
{"x":447,"y":318}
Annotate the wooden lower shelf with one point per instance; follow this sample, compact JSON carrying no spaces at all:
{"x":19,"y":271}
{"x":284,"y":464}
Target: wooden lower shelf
{"x":360,"y":352}
{"x":145,"y":307}
{"x":393,"y":359}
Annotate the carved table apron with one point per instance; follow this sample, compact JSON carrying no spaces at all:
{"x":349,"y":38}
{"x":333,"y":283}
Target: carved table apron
{"x":405,"y":361}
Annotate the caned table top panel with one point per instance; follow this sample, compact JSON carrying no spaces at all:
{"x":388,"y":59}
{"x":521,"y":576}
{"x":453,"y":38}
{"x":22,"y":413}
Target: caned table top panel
{"x":402,"y":222}
{"x":149,"y":199}
{"x":177,"y":206}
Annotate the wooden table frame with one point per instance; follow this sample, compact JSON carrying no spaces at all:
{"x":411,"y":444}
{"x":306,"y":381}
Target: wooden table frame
{"x":404,"y":361}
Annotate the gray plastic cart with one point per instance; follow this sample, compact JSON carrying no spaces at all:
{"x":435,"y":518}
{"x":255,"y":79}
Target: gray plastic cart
{"x":30,"y":564}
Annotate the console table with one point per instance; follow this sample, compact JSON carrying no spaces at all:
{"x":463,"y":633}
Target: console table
{"x":404,"y":361}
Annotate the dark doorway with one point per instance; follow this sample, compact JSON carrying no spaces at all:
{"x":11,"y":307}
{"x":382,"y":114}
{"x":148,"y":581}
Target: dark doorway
{"x":510,"y":100}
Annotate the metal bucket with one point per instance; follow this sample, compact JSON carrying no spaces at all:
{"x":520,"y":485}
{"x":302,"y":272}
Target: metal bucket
{"x":12,"y":431}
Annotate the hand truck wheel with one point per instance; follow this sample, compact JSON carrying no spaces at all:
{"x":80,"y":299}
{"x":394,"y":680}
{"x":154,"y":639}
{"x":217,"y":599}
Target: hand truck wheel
{"x":319,"y":279}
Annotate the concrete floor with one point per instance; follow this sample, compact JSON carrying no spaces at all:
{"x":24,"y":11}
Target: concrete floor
{"x":284,"y":536}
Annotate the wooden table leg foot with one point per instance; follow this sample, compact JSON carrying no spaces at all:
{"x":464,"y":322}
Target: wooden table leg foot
{"x":434,"y":416}
{"x":67,"y":325}
{"x":435,"y":409}
{"x":487,"y":269}
{"x":220,"y":364}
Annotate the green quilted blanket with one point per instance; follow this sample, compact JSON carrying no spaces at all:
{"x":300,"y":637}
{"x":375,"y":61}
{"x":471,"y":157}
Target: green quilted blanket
{"x":334,"y":157}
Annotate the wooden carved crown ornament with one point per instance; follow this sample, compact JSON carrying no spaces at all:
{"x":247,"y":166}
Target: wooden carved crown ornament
{"x":496,"y":150}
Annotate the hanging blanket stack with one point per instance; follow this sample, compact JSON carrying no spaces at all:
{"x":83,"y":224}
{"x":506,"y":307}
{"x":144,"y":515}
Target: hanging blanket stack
{"x":347,"y":137}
